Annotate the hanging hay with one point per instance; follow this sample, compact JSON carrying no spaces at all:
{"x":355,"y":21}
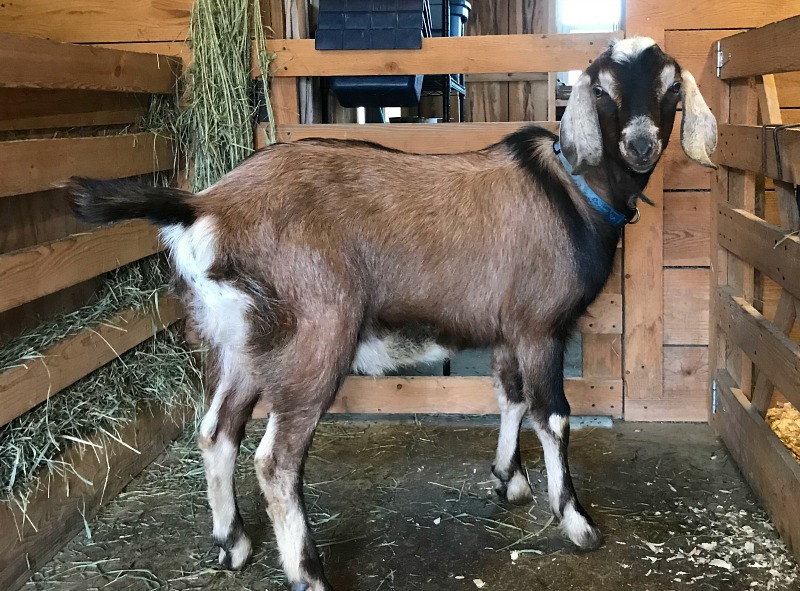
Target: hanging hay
{"x":785,"y":421}
{"x":214,"y":127}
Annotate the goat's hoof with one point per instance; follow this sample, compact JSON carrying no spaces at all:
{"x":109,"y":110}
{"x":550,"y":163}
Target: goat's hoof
{"x":300,"y":587}
{"x":580,"y":529}
{"x":234,"y":557}
{"x":516,"y":490}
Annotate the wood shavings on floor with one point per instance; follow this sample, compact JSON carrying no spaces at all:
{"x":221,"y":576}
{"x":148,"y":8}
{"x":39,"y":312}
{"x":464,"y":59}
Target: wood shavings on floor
{"x":785,"y":421}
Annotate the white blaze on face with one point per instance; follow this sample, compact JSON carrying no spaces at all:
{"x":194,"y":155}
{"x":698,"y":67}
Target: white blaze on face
{"x":627,"y":49}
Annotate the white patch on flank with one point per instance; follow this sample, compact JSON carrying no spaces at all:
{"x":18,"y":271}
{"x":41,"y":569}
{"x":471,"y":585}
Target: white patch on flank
{"x":627,"y":49}
{"x":608,"y":83}
{"x":376,"y":356}
{"x":666,"y":79}
{"x":558,"y":424}
{"x":518,"y":489}
{"x":578,"y":528}
{"x":218,"y":308}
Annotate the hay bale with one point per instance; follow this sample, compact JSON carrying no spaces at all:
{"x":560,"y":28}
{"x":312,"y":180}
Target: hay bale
{"x":785,"y":422}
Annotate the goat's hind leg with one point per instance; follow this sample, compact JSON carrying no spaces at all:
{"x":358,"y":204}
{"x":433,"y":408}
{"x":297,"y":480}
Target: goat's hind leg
{"x":542,"y":367}
{"x":220,"y":436}
{"x":510,"y":480}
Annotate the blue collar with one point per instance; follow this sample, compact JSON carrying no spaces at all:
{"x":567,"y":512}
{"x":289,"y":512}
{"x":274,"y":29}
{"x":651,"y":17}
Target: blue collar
{"x":614,"y":217}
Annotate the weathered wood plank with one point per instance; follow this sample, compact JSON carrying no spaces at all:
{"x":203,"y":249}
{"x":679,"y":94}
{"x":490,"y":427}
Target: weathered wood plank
{"x":25,"y":386}
{"x":686,"y":296}
{"x":25,"y":108}
{"x":27,"y":62}
{"x":40,"y":270}
{"x":770,"y":49}
{"x":766,"y":463}
{"x":424,"y":138}
{"x":771,"y":250}
{"x":488,"y":100}
{"x":35,"y":165}
{"x":771,"y":350}
{"x":687,"y":218}
{"x":457,"y":395}
{"x":711,"y":14}
{"x":97,"y":21}
{"x":56,"y":511}
{"x":486,"y":54}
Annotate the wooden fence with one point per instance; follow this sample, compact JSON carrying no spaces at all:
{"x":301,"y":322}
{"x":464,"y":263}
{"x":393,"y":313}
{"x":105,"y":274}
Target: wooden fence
{"x":757,"y":358}
{"x":44,"y":85}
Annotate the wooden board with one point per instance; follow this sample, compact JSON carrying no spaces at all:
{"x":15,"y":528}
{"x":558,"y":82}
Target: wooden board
{"x":24,"y":108}
{"x":687,"y":218}
{"x":40,"y":270}
{"x":601,"y":356}
{"x":686,"y":381}
{"x":769,"y":349}
{"x":56,"y":513}
{"x":748,"y":147}
{"x":36,"y":165}
{"x":456,"y":395}
{"x":423,"y":138}
{"x":486,"y":100}
{"x":712,"y":14}
{"x":757,"y":242}
{"x":770,"y":49}
{"x":96,"y":21}
{"x":486,"y":54}
{"x":25,"y":386}
{"x":604,"y":316}
{"x":686,"y":295}
{"x":766,"y":463}
{"x":26,"y":62}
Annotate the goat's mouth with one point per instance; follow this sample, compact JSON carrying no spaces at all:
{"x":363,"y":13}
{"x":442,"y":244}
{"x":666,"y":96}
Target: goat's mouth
{"x":639,"y":167}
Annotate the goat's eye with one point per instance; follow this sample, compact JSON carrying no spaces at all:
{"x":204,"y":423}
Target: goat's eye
{"x":598,"y":91}
{"x":676,"y":87}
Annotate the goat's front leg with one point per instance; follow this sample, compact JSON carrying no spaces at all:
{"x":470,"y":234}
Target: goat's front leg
{"x":542,"y":369}
{"x":510,"y":480}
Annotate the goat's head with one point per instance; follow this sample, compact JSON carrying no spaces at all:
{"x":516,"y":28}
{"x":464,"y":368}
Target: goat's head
{"x":624,"y":106}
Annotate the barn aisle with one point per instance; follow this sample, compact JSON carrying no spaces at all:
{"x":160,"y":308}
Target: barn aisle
{"x":408,"y":506}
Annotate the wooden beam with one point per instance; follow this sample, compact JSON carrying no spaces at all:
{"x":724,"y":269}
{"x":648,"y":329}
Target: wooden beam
{"x":36,"y":165}
{"x":33,"y":272}
{"x":456,"y":395}
{"x":422,"y":138}
{"x":26,"y":385}
{"x":509,"y":77}
{"x":604,"y":316}
{"x":748,"y":147}
{"x":770,"y":49}
{"x":29,"y":62}
{"x":766,"y":463}
{"x":485,"y":54}
{"x":56,"y":511}
{"x":771,"y":250}
{"x":773,"y":352}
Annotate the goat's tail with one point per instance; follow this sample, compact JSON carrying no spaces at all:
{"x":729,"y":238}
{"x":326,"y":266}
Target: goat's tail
{"x":101,"y":202}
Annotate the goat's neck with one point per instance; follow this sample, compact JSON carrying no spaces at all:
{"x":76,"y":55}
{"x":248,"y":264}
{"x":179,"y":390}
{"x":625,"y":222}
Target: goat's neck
{"x":617,"y":185}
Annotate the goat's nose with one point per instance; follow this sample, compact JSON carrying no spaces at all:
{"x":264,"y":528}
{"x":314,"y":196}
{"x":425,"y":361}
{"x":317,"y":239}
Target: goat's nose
{"x":641,"y":146}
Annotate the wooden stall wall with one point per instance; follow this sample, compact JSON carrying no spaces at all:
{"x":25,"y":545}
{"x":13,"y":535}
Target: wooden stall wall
{"x":677,"y":278}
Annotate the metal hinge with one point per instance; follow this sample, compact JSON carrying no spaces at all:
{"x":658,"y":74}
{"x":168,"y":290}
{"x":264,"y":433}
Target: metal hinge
{"x":714,"y":397}
{"x":721,"y":61}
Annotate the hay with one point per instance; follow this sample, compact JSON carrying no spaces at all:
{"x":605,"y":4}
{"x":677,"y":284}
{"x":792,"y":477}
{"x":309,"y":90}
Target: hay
{"x":785,"y":422}
{"x":214,"y":129}
{"x":161,"y":371}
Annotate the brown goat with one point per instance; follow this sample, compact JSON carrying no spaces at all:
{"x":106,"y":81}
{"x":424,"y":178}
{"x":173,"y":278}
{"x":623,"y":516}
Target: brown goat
{"x":319,"y":256}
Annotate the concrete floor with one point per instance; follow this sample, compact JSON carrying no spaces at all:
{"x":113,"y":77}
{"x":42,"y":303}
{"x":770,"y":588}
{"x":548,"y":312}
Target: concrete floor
{"x":408,"y":506}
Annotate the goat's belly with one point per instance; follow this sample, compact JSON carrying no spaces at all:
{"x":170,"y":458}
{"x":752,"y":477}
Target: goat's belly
{"x":377,"y":355}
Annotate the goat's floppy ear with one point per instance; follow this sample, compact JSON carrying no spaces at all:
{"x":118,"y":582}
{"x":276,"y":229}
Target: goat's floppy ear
{"x":581,"y":138}
{"x":698,"y":127}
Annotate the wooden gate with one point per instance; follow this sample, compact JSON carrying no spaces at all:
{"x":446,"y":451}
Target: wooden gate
{"x":754,"y":344}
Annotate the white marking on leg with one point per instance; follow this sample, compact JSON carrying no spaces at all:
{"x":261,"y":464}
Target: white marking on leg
{"x":220,"y":461}
{"x":554,"y":465}
{"x":511,"y":415}
{"x":558,"y":424}
{"x":578,"y":529}
{"x":518,"y":489}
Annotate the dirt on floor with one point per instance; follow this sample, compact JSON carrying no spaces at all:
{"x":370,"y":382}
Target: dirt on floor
{"x":409,"y":506}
